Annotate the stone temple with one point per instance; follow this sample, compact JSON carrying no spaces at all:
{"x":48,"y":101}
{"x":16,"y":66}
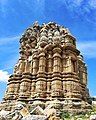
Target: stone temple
{"x":50,"y":72}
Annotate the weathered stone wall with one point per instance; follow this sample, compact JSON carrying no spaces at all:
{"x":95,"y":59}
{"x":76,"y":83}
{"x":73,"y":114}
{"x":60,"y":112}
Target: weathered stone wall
{"x":50,"y":67}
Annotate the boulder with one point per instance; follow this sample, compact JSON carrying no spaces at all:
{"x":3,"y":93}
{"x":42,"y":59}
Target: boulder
{"x":93,"y":117}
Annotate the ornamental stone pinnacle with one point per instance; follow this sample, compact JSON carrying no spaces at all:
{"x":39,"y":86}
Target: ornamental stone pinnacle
{"x":50,"y":72}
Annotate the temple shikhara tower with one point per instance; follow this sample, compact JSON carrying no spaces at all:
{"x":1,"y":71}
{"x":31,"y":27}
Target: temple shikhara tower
{"x":50,"y":72}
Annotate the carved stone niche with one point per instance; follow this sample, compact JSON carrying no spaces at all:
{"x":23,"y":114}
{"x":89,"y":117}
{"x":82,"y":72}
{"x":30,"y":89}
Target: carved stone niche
{"x":43,"y":39}
{"x":74,"y":65}
{"x":56,"y":38}
{"x":70,"y":40}
{"x":32,"y":41}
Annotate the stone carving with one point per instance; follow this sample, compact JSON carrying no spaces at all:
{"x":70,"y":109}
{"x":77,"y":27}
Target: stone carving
{"x":49,"y":68}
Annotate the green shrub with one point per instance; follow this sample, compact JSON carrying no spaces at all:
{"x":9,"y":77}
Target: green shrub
{"x":64,"y":115}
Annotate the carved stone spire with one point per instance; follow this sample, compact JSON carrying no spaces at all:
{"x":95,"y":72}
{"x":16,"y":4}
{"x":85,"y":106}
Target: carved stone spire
{"x":50,"y":69}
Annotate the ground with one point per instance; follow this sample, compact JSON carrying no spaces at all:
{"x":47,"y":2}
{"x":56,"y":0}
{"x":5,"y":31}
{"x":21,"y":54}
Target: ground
{"x":83,"y":116}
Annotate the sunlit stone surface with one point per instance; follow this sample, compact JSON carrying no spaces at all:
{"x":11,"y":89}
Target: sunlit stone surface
{"x":50,"y":72}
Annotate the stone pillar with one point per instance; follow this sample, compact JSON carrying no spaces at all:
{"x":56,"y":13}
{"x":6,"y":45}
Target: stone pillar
{"x":64,"y":70}
{"x":49,"y":74}
{"x":42,"y":63}
{"x":56,"y":80}
{"x":64,"y":87}
{"x":13,"y":86}
{"x":35,"y":66}
{"x":49,"y":62}
{"x":12,"y":92}
{"x":25,"y":83}
{"x":33,"y":88}
{"x":56,"y":60}
{"x":17,"y":78}
{"x":84,"y":75}
{"x":25,"y":86}
{"x":82,"y":72}
{"x":41,"y":77}
{"x":31,"y":64}
{"x":73,"y":65}
{"x":27,"y":66}
{"x":75,"y":90}
{"x":68,"y":88}
{"x":21,"y":66}
{"x":64,"y":62}
{"x":69,"y":64}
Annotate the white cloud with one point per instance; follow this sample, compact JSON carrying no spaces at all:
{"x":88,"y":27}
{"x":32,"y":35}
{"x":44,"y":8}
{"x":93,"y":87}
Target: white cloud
{"x":8,"y":39}
{"x":82,"y":9}
{"x":72,"y":3}
{"x":8,"y":46}
{"x":92,"y":3}
{"x":88,"y":48}
{"x":4,"y":75}
{"x":3,"y":4}
{"x":11,"y":62}
{"x":76,"y":2}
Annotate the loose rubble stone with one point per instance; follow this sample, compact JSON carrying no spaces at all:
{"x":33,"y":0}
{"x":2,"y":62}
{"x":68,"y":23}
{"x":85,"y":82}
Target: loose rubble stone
{"x":93,"y":117}
{"x":35,"y":117}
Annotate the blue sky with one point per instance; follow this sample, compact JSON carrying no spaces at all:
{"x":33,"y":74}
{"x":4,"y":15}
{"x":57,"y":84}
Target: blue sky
{"x":16,"y":15}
